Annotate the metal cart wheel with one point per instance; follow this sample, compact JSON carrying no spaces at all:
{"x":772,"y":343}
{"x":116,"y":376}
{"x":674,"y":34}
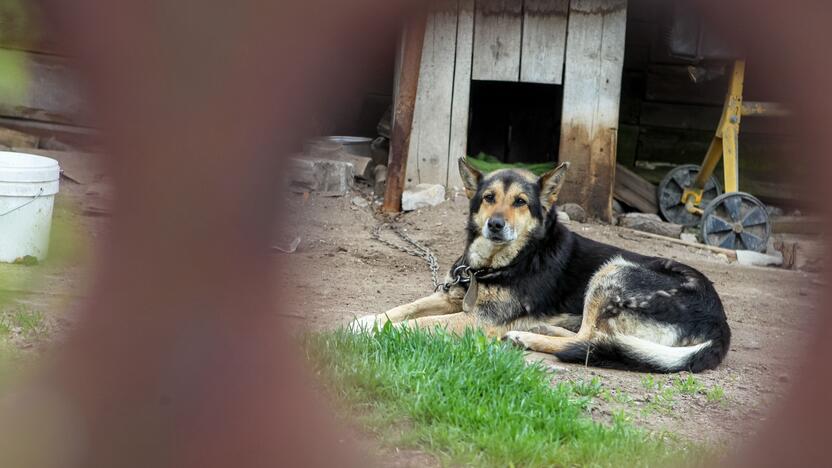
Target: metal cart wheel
{"x":736,"y":221}
{"x":670,"y":194}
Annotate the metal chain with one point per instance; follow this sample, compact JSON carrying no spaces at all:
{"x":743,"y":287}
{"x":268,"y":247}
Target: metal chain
{"x":417,"y":250}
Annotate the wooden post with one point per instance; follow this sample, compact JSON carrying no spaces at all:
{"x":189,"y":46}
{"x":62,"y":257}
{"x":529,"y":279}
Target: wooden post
{"x":408,"y":82}
{"x":591,"y":91}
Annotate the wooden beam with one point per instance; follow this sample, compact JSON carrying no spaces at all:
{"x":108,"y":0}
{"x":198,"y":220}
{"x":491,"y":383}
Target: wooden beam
{"x":408,"y":82}
{"x":591,"y":92}
{"x":52,"y":91}
{"x":731,"y":254}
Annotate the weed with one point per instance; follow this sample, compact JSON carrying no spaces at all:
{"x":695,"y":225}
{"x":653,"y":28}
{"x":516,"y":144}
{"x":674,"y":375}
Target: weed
{"x":29,"y":323}
{"x":715,"y":394}
{"x":688,"y":385}
{"x":649,"y":382}
{"x":589,"y":389}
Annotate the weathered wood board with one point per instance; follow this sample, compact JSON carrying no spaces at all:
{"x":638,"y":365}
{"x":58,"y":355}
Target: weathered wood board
{"x":592,"y":86}
{"x":498,"y":30}
{"x":634,"y":190}
{"x":461,"y":91}
{"x":544,"y":41}
{"x":52,"y":94}
{"x":53,"y":136}
{"x":431,"y":134}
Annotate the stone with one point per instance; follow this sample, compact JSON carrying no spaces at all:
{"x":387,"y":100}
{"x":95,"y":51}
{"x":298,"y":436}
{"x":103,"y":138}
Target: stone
{"x":562,"y":217}
{"x":689,"y":237}
{"x":651,"y":223}
{"x":752,"y":258}
{"x":422,"y":196}
{"x":616,"y":207}
{"x":321,"y":175}
{"x":360,"y":202}
{"x":575,"y":211}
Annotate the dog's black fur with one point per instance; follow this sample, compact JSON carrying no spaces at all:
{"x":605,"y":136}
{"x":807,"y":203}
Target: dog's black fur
{"x":551,"y":273}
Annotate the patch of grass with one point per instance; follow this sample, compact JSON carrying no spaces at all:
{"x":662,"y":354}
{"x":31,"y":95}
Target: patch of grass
{"x":649,"y":382}
{"x":663,"y":400}
{"x":589,"y":389}
{"x":30,"y":322}
{"x":473,"y":401}
{"x":688,"y":385}
{"x":715,"y":394}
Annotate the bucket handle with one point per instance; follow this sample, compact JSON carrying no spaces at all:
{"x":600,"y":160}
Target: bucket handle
{"x":40,"y":192}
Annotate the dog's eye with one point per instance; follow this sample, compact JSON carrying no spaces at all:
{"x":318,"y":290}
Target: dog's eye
{"x":489,"y":197}
{"x":518,"y":202}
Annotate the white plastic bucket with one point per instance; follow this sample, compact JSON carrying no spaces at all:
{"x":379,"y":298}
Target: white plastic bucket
{"x":28,"y":185}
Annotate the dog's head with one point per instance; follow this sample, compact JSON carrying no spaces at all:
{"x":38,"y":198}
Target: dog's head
{"x":507,"y":207}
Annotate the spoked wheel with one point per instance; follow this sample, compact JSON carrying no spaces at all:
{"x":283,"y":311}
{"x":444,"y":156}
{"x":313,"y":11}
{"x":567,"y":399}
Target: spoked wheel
{"x":736,"y":221}
{"x":670,"y":194}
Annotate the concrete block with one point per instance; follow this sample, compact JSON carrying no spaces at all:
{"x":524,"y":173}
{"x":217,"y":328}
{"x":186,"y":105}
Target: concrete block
{"x":422,"y":196}
{"x":321,"y":175}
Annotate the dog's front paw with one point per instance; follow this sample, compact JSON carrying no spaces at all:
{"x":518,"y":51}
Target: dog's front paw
{"x":365,"y":324}
{"x":518,"y":338}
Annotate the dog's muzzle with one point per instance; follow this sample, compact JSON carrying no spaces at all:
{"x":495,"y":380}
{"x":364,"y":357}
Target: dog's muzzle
{"x":497,"y":230}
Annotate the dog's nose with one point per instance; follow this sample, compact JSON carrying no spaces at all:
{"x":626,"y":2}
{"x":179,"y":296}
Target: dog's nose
{"x":496,"y":223}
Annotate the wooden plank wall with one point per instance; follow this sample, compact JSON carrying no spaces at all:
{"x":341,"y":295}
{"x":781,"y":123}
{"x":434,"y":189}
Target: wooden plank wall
{"x":544,"y":41}
{"x":456,"y":51}
{"x":592,"y":85}
{"x":431,"y":134}
{"x":668,"y":118}
{"x":497,"y":40}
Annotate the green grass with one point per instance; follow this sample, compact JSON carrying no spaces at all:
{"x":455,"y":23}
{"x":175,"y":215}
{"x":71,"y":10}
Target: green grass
{"x":664,"y":394}
{"x":473,"y":401}
{"x":487,"y":163}
{"x":688,"y":385}
{"x":30,"y":322}
{"x":715,"y":394}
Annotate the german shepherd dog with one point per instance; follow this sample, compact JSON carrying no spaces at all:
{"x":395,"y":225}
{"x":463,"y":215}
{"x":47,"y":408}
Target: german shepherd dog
{"x":526,"y":278}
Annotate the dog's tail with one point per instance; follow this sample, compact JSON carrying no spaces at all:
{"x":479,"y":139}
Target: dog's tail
{"x":632,"y":353}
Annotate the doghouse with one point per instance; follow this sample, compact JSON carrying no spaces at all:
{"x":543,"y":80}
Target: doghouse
{"x":553,"y":68}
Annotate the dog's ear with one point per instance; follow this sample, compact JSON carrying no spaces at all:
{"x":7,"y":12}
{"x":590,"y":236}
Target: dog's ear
{"x":470,"y":177}
{"x":550,"y":185}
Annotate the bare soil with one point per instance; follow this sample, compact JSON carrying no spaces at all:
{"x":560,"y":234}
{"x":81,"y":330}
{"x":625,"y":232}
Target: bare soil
{"x":339,"y":272}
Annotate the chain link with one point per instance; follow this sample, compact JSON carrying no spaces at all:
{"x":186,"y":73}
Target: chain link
{"x":416,"y":249}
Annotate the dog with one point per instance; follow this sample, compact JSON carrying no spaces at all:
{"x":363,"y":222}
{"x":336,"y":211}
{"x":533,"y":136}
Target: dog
{"x":524,"y":277}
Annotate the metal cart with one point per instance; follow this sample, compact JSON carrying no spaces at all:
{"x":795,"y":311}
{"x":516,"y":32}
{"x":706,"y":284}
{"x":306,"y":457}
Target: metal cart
{"x":691,"y":195}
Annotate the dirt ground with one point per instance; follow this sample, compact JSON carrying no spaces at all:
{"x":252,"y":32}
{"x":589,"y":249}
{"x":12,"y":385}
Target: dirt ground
{"x":339,"y":272}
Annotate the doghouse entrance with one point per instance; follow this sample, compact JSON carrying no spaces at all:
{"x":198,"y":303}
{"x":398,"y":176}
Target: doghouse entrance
{"x":515,"y":122}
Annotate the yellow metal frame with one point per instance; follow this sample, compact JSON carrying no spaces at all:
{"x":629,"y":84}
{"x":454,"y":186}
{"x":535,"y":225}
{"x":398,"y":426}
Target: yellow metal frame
{"x":725,"y":143}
